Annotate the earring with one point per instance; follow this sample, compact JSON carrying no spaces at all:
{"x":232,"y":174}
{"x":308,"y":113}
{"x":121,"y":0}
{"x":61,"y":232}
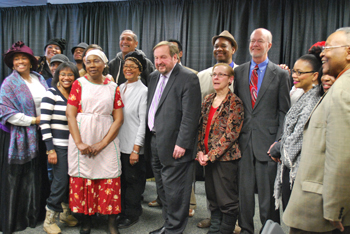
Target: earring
{"x":31,"y":66}
{"x":138,"y":77}
{"x":58,"y":84}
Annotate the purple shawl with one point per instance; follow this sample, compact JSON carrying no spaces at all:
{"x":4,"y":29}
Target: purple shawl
{"x":15,"y":97}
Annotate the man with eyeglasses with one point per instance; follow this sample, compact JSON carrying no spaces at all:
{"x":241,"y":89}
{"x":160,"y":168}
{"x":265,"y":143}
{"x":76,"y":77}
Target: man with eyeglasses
{"x":127,"y":42}
{"x":320,"y":200}
{"x":264,"y":89}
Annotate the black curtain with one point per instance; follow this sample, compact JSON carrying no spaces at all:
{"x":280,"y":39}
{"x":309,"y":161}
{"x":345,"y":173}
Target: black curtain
{"x":295,"y":26}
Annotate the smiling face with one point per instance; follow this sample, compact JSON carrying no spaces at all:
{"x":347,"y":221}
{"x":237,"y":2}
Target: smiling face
{"x":66,"y":78}
{"x":94,"y":66}
{"x":335,"y":59}
{"x":304,"y":81}
{"x":327,"y":82}
{"x":259,"y":44}
{"x":21,"y":63}
{"x":127,"y":43}
{"x":163,"y":61}
{"x":221,"y":78}
{"x":131,"y":71}
{"x":223,"y":50}
{"x":52,"y":50}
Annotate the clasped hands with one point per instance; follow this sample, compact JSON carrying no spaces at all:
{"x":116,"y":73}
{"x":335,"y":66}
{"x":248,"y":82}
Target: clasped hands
{"x":202,"y":158}
{"x":90,"y":151}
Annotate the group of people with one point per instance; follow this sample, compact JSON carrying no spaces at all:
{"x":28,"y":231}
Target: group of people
{"x":99,"y":123}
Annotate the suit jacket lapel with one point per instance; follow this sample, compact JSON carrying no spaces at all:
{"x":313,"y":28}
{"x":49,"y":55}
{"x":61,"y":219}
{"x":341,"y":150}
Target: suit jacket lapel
{"x":317,"y":104}
{"x":170,"y":82}
{"x":152,"y":89}
{"x":245,"y":84}
{"x":269,"y":76}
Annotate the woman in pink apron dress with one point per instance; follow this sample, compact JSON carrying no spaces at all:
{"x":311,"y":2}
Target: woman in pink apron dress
{"x":94,"y":114}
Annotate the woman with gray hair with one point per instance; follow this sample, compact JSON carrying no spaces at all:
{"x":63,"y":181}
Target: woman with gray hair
{"x":95,"y":115}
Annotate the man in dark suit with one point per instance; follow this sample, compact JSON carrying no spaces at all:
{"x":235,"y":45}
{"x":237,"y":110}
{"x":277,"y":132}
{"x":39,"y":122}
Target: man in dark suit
{"x":173,"y":110}
{"x":264,"y":89}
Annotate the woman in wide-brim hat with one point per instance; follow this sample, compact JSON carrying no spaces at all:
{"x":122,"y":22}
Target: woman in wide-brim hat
{"x":53,"y":46}
{"x":23,"y":181}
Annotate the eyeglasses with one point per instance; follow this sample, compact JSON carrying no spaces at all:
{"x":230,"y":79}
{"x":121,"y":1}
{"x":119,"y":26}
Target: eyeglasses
{"x":220,"y":75}
{"x":332,"y":47}
{"x":54,"y":47}
{"x":66,"y":74}
{"x":299,"y":73}
{"x":258,"y":41}
{"x":130,"y":67}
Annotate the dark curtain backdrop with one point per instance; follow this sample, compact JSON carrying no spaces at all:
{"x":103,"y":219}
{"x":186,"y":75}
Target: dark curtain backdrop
{"x":295,"y":25}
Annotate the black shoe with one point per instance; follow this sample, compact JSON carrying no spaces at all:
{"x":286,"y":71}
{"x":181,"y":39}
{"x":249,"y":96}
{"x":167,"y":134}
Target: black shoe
{"x":86,"y":225}
{"x":158,"y":231}
{"x":125,"y":223}
{"x":119,"y":218}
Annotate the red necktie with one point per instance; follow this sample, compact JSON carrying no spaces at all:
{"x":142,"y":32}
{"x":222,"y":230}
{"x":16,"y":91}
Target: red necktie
{"x":253,"y":85}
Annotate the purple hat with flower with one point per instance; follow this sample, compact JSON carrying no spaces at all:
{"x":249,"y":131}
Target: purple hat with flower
{"x":20,"y":47}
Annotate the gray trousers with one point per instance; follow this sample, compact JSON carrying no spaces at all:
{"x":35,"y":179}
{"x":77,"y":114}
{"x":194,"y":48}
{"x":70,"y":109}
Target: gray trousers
{"x":256,"y":176}
{"x":60,"y":182}
{"x":174,"y":185}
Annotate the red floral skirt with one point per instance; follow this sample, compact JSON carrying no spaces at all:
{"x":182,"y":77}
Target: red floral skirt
{"x":94,"y":196}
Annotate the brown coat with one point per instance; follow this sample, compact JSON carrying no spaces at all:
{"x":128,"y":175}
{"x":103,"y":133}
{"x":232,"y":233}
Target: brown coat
{"x":322,"y":188}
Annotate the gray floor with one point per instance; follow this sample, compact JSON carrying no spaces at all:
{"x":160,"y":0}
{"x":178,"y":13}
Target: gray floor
{"x":151,"y":218}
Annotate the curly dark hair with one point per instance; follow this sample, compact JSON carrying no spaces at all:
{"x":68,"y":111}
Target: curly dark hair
{"x":62,"y":66}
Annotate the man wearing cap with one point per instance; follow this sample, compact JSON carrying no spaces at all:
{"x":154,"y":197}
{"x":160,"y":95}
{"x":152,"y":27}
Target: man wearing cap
{"x":225,"y":46}
{"x":77,"y":52}
{"x":263,"y":88}
{"x":127,"y":43}
{"x":320,"y":200}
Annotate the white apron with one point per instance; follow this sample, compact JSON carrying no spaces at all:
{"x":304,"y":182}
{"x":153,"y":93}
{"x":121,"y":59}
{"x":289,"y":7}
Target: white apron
{"x":97,"y":101}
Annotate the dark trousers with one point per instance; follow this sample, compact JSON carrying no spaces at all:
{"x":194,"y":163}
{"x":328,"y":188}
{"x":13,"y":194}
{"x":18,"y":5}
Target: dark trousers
{"x":133,"y":181}
{"x":221,"y":186}
{"x":255,"y":175}
{"x":286,"y":190}
{"x":60,"y":182}
{"x":174,"y":184}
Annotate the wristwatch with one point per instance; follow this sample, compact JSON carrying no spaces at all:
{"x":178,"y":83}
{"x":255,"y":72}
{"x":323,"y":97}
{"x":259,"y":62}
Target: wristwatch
{"x":135,"y":152}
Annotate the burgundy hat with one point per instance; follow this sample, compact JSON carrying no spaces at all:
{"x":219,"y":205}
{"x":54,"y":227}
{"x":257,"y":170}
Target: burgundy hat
{"x":20,"y":47}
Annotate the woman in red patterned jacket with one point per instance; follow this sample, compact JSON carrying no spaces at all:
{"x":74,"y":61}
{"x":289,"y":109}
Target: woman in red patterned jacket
{"x":218,"y":151}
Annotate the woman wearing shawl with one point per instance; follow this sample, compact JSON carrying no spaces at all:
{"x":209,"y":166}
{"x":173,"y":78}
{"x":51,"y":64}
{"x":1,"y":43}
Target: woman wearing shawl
{"x":24,"y":182}
{"x":306,"y":75}
{"x":94,"y":114}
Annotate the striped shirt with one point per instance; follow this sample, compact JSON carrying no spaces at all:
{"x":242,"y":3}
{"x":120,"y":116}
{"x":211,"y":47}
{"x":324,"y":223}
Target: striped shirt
{"x":53,"y":120}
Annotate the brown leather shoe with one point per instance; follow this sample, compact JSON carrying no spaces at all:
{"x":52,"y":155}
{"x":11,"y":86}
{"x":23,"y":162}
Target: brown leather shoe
{"x":153,"y":204}
{"x":191,"y":212}
{"x":205,"y":223}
